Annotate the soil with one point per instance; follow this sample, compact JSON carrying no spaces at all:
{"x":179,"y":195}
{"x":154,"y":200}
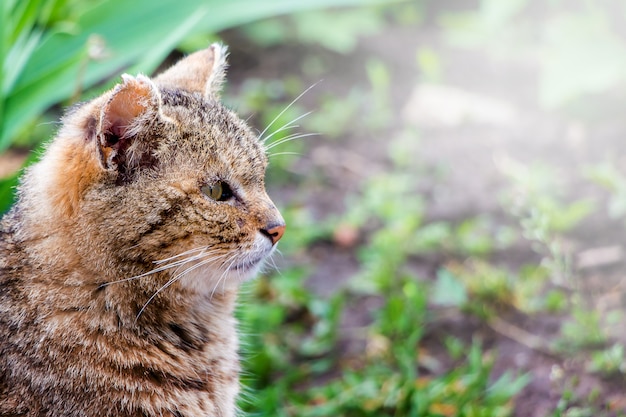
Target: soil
{"x":484,"y":115}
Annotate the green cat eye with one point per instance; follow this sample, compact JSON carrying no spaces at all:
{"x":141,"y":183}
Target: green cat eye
{"x":219,"y":191}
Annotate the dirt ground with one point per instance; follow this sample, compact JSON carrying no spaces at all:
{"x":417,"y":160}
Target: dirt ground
{"x":484,"y":114}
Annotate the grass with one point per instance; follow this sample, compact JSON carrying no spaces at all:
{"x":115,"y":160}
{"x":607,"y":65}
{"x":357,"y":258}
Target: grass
{"x":413,"y":328}
{"x":304,"y":360}
{"x":392,"y":376}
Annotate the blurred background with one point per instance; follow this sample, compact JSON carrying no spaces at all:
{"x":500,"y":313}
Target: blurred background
{"x":455,"y":206}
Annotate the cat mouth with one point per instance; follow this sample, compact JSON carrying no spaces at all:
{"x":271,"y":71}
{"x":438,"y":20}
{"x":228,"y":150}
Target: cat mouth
{"x":248,"y":264}
{"x":251,"y":261}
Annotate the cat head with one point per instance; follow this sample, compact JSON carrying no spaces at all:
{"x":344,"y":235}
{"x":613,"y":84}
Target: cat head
{"x":156,"y":176}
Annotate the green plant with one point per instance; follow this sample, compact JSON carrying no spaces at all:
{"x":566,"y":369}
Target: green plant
{"x":609,"y":361}
{"x":574,"y":404}
{"x":607,"y":175}
{"x":383,"y":380}
{"x":384,"y":390}
{"x":534,"y":199}
{"x":389,"y":202}
{"x":583,"y":330}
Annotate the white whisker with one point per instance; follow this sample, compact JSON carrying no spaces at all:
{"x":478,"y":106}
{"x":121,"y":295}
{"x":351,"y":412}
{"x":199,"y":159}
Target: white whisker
{"x":283,"y":153}
{"x":284,"y":110}
{"x":289,"y":139}
{"x":202,"y":248}
{"x":231,"y":261}
{"x":276,"y":268}
{"x":177,"y":277}
{"x":167,"y":284}
{"x":199,"y":265}
{"x":175,"y":264}
{"x":287,"y":126}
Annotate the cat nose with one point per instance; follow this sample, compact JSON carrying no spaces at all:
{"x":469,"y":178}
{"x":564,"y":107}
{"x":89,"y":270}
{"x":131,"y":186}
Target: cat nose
{"x":274,"y":232}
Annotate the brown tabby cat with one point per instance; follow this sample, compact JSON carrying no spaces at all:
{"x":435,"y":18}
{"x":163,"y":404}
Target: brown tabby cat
{"x":120,"y":262}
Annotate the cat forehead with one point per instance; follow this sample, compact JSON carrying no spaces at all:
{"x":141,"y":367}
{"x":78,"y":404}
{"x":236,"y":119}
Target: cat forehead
{"x":211,"y":132}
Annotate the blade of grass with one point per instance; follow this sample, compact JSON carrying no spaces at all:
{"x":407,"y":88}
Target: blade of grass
{"x":20,"y":109}
{"x":18,"y":56}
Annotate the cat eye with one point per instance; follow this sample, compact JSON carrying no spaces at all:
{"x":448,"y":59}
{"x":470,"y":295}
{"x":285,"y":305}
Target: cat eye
{"x":219,"y":191}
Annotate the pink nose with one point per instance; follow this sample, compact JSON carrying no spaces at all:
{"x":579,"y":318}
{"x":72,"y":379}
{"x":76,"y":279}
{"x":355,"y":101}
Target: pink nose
{"x":274,"y":232}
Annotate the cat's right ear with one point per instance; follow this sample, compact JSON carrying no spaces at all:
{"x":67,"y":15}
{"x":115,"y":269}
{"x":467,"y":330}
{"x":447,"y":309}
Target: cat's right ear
{"x":133,"y":107}
{"x":201,"y":72}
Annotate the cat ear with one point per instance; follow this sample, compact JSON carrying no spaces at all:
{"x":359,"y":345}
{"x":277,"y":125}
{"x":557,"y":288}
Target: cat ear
{"x":133,"y":107}
{"x":201,"y":72}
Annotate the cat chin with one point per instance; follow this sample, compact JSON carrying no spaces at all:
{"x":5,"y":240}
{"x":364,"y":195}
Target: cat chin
{"x":210,"y":280}
{"x":208,"y":283}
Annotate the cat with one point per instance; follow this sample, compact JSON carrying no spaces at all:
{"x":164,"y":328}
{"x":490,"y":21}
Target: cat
{"x":121,"y":259}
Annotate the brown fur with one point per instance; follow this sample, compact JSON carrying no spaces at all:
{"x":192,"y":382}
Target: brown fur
{"x":90,"y":326}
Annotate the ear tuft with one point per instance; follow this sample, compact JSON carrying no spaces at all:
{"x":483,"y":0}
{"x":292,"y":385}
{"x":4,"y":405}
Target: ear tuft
{"x":202,"y":72}
{"x":218,"y":72}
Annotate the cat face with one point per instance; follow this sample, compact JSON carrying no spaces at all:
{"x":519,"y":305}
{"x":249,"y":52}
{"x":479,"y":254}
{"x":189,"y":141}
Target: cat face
{"x":156,"y":180}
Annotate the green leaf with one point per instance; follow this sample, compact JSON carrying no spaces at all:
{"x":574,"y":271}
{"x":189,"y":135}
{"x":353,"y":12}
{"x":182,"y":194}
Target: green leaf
{"x":507,"y":386}
{"x":448,"y":290}
{"x":22,"y":108}
{"x":7,"y":189}
{"x":570,"y":216}
{"x":17,"y":57}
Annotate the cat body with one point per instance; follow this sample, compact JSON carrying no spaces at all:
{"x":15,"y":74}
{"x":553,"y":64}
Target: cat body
{"x":120,"y":262}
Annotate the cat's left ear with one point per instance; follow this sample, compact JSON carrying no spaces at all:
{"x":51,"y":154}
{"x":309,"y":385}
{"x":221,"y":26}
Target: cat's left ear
{"x":201,"y":72}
